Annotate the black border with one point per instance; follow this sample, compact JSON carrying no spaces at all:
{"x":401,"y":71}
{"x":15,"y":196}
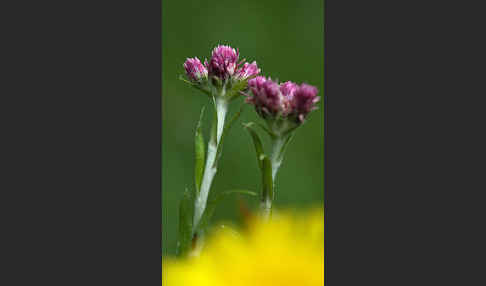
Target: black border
{"x":325,"y":145}
{"x":82,"y":164}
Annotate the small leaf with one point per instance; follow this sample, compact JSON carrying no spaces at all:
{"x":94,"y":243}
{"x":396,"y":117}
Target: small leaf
{"x":211,"y":206}
{"x":238,"y":86}
{"x":181,"y":77}
{"x":199,"y":153}
{"x":225,"y":131}
{"x":186,"y":213}
{"x":256,"y":141}
{"x":202,"y":87}
{"x":267,"y":180}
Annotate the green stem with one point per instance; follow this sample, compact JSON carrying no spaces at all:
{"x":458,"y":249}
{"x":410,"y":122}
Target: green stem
{"x":276,"y":160}
{"x":210,"y":168}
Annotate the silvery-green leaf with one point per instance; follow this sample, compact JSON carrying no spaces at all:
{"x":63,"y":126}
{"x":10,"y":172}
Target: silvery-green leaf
{"x":199,"y":152}
{"x":256,"y":142}
{"x":203,"y":86}
{"x":238,"y":86}
{"x":267,"y":180}
{"x":181,"y":77}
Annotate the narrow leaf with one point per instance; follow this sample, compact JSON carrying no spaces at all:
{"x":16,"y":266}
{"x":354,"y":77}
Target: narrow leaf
{"x":201,"y":87}
{"x":267,"y":180}
{"x":199,"y":153}
{"x":256,"y":142}
{"x":181,"y":77}
{"x":238,"y":87}
{"x":186,"y":212}
{"x":234,"y":92}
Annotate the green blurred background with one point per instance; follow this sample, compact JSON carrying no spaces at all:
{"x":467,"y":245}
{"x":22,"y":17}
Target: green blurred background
{"x":286,"y":38}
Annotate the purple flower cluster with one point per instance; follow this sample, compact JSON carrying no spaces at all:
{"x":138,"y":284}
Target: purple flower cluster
{"x":286,"y":100}
{"x":223,"y":65}
{"x":271,"y":99}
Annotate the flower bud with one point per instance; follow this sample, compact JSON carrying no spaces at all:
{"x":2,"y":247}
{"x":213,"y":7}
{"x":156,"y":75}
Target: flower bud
{"x":195,"y":70}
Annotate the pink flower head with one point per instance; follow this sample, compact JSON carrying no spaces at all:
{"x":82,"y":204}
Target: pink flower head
{"x":287,"y":99}
{"x":304,"y":100}
{"x":223,"y":62}
{"x":247,"y":70}
{"x":268,"y":97}
{"x":195,"y":70}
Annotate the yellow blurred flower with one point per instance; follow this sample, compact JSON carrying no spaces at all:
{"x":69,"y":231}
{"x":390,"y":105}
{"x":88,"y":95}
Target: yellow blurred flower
{"x":288,"y":250}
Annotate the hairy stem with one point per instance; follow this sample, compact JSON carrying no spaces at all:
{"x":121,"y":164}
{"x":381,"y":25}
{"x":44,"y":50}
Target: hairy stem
{"x":276,"y":160}
{"x":210,"y":168}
